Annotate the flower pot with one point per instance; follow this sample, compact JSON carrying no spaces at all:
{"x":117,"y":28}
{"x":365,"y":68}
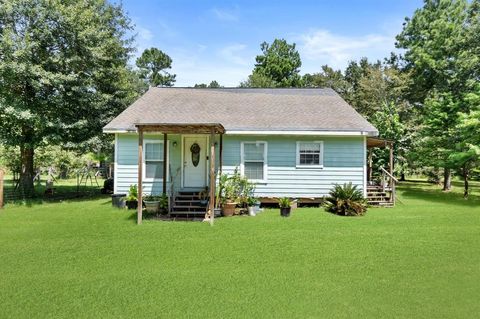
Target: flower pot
{"x":257,"y":208}
{"x":229,"y":209}
{"x":131,"y":204}
{"x":152,"y":206}
{"x":285,"y":211}
{"x":251,"y":211}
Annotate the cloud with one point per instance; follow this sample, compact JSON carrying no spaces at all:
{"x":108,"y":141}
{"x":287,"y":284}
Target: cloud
{"x":231,"y":53}
{"x":225,"y":14}
{"x":144,"y":33}
{"x":323,"y":47}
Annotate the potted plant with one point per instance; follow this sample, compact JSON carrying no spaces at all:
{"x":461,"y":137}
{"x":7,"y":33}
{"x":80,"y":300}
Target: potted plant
{"x":285,"y":206}
{"x":152,"y":203}
{"x":219,"y":194}
{"x":230,"y":200}
{"x":163,"y":203}
{"x":132,"y":198}
{"x":251,"y":202}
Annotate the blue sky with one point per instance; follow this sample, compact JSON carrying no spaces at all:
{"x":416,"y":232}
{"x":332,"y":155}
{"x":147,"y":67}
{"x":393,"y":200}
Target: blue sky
{"x":218,"y":40}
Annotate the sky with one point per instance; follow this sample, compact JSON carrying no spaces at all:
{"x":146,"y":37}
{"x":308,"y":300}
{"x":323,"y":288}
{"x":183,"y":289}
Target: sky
{"x":218,"y":40}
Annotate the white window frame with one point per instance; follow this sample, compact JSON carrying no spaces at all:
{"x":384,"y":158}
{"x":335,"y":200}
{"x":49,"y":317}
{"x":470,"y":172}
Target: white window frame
{"x":144,"y":164}
{"x":320,"y":165}
{"x":265,"y":160}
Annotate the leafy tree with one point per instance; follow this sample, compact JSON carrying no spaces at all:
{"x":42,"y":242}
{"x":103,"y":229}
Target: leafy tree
{"x":63,"y":73}
{"x":152,"y":64}
{"x":438,"y":59}
{"x":329,"y":78}
{"x":214,"y":84}
{"x":277,"y":66}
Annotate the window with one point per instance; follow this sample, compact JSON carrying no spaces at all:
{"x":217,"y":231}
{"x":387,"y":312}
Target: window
{"x":254,"y":161}
{"x":153,"y":155}
{"x":310,"y":154}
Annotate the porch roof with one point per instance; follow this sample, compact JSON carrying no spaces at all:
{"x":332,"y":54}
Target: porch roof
{"x":182,"y":128}
{"x":378,"y":142}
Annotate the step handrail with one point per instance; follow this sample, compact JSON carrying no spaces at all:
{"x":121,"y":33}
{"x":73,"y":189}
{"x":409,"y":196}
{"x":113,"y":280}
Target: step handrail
{"x":388,"y":174}
{"x":393,"y":180}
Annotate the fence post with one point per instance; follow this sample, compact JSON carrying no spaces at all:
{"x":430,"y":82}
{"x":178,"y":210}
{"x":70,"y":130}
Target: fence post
{"x":2,"y":174}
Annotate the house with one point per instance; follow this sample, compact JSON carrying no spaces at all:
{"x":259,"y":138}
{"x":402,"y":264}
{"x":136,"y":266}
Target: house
{"x":290,"y":142}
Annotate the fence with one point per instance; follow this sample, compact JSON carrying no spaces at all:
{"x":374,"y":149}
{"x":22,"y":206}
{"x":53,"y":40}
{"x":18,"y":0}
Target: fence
{"x":60,"y":190}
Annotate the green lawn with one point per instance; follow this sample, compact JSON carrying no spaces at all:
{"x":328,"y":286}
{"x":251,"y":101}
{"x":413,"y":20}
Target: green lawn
{"x":86,"y":259}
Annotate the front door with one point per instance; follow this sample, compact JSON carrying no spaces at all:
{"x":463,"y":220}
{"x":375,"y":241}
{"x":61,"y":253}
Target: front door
{"x":195,"y":161}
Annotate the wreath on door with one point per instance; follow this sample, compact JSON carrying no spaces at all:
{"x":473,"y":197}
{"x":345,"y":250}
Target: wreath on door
{"x":195,"y":149}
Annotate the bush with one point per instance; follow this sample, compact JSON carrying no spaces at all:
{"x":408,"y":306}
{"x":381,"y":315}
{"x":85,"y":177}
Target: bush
{"x":346,"y":200}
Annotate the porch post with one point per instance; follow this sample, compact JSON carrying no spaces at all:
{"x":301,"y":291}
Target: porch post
{"x":165,"y":163}
{"x":220,"y":159}
{"x":211,"y":203}
{"x":391,"y":163}
{"x":370,"y":164}
{"x":140,"y":175}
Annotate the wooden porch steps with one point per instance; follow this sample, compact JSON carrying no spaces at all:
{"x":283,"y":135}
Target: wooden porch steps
{"x":377,"y":196}
{"x":188,"y":202}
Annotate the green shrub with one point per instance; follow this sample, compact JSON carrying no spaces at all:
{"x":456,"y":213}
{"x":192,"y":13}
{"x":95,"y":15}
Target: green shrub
{"x":132,"y":193}
{"x":346,"y":200}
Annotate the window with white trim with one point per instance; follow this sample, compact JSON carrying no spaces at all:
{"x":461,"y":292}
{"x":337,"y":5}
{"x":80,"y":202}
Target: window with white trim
{"x":254,"y":161}
{"x":310,"y":154}
{"x":153,"y":156}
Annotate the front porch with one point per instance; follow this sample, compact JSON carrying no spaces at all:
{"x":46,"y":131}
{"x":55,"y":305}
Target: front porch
{"x":199,"y":166}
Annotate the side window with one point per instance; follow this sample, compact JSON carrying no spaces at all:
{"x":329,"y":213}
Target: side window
{"x":153,"y":160}
{"x":310,"y":154}
{"x":254,"y":161}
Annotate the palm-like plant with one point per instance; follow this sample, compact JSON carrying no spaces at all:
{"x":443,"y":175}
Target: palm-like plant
{"x":346,"y":200}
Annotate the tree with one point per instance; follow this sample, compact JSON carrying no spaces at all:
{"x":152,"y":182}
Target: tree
{"x":277,"y":66}
{"x":213,"y":85}
{"x":152,"y":64}
{"x":63,"y":73}
{"x":437,"y":56}
{"x":329,"y":78}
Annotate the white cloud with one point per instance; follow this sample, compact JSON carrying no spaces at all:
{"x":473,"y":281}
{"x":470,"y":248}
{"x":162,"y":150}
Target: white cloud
{"x":144,"y":33}
{"x":232,"y":54}
{"x":225,"y":14}
{"x":318,"y":47}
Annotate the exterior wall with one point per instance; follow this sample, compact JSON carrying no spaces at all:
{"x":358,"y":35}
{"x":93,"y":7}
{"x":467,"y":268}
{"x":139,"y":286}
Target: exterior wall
{"x":344,"y":161}
{"x":126,"y":163}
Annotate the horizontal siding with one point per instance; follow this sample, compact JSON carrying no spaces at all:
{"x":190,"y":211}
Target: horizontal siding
{"x":127,"y":163}
{"x":303,"y":183}
{"x":344,"y":159}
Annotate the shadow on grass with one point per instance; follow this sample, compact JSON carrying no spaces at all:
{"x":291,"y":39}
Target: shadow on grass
{"x":433,"y":193}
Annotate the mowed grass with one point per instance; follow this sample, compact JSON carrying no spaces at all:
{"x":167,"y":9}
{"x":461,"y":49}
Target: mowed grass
{"x":86,"y":259}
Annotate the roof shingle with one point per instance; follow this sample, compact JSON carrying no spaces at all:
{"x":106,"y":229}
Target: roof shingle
{"x":239,"y":109}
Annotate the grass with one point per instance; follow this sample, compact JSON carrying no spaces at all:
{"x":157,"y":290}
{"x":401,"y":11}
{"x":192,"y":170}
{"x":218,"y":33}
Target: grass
{"x":86,"y":259}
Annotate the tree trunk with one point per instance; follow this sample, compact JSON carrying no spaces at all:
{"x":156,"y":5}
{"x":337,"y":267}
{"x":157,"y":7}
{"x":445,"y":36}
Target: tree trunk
{"x":26,"y":173}
{"x":465,"y":182}
{"x":402,"y":177}
{"x":447,"y":179}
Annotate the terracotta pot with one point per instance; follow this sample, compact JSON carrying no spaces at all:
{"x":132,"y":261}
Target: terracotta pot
{"x":229,"y":209}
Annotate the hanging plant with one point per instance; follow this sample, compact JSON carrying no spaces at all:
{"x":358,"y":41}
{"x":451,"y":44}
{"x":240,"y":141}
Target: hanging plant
{"x":195,"y":149}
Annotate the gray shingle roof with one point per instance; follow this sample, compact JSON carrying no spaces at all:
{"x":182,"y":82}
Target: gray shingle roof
{"x":239,"y":109}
